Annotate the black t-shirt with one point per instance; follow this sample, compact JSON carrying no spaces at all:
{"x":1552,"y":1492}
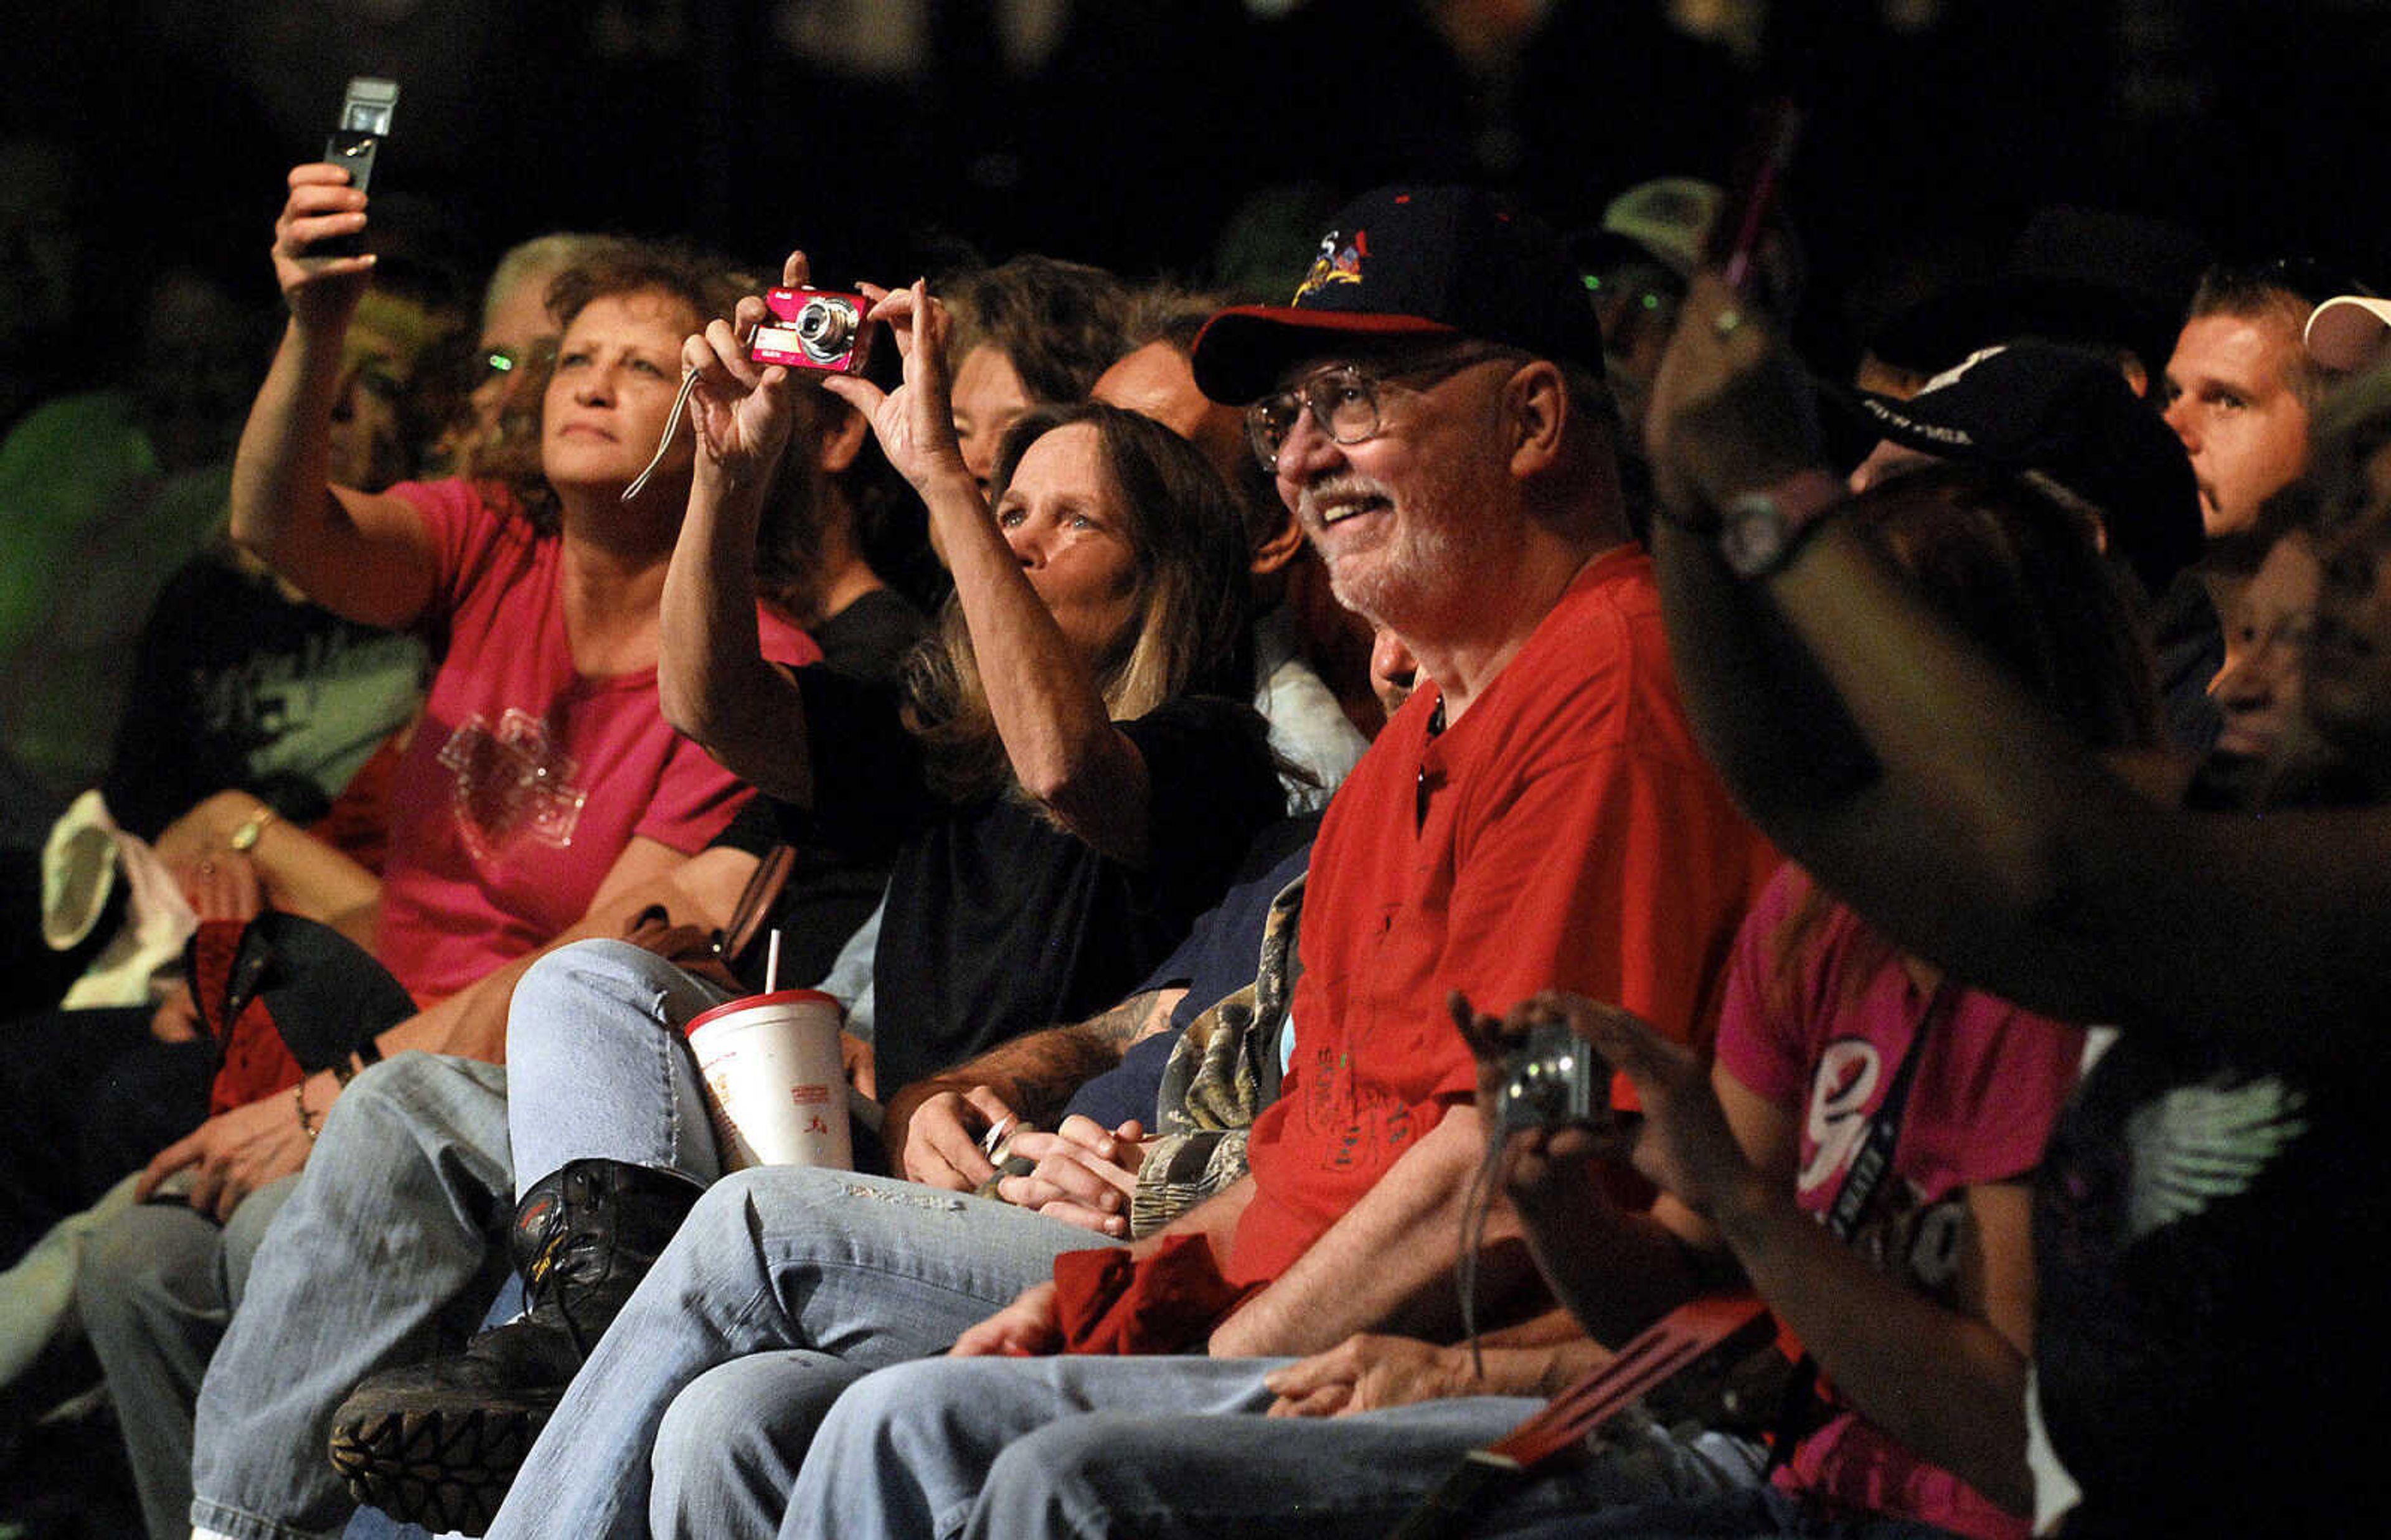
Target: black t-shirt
{"x":237,"y":684}
{"x":872,"y":635}
{"x":2210,"y":1344}
{"x":833,"y":885}
{"x":999,"y":922}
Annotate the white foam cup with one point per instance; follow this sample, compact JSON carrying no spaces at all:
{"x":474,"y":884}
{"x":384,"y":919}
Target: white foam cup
{"x":770,"y":1064}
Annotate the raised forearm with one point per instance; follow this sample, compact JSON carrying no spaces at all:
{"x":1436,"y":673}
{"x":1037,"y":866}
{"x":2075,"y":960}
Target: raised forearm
{"x":713,"y":681}
{"x":1063,"y":746}
{"x":1915,"y":780}
{"x":1762,"y":710}
{"x":281,"y":497}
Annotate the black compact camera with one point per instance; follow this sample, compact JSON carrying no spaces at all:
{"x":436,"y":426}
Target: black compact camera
{"x":812,"y":328}
{"x":1552,"y":1079}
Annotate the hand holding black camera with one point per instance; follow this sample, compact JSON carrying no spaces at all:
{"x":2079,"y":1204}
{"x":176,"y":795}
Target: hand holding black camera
{"x":1544,"y":1095}
{"x":1681,"y":1139}
{"x":319,"y":241}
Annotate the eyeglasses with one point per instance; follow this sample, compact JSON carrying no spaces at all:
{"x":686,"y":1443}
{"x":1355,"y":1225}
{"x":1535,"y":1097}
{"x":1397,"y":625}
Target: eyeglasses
{"x":1343,"y":401}
{"x":499,"y":362}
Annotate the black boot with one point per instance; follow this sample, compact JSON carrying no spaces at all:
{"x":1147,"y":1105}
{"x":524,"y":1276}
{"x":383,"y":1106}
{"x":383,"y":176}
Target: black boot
{"x":439,"y":1443}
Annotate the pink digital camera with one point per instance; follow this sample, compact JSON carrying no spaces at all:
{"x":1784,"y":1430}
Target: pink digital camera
{"x":813,"y":328}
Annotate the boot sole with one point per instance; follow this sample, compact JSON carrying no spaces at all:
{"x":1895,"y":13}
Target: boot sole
{"x":446,"y":1469}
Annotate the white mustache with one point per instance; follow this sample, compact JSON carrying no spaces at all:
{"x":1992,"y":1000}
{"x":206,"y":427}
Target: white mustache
{"x":1335,"y":490}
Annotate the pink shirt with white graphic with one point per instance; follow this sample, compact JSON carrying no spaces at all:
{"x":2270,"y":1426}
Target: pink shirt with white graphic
{"x":525,"y":780}
{"x":1987,"y":1091}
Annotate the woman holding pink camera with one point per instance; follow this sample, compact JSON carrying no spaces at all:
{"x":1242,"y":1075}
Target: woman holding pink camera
{"x":1075,"y":776}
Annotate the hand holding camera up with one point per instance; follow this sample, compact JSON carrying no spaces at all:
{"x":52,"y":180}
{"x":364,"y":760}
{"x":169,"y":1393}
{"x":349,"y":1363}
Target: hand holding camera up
{"x":741,"y":408}
{"x":916,"y":423}
{"x":322,"y":290}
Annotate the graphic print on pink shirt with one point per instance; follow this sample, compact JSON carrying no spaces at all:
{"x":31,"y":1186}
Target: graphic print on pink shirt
{"x":510,"y":782}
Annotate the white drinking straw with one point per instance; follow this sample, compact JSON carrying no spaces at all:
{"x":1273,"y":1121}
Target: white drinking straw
{"x":772,"y":963}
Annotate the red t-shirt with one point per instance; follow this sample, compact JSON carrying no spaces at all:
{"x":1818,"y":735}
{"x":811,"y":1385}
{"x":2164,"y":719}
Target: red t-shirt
{"x":1573,"y":838}
{"x":1981,"y":1106}
{"x":525,"y":778}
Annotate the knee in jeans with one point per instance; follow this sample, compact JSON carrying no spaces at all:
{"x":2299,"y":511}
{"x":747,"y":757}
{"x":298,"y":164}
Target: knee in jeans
{"x":720,"y":1412}
{"x":556,"y":980}
{"x":140,"y":1256}
{"x":596,"y":986}
{"x":1078,"y":1467}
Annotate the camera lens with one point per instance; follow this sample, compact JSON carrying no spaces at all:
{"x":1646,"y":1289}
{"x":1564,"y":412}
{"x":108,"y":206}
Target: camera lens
{"x":826,"y":325}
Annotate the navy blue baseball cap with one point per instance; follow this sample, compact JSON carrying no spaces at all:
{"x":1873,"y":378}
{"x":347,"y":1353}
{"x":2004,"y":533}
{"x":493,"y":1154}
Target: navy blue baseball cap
{"x":2068,"y":413}
{"x":1410,"y":262}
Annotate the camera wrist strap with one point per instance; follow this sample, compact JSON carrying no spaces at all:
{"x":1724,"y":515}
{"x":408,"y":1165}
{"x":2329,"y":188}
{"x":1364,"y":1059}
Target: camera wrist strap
{"x":1801,"y":1410}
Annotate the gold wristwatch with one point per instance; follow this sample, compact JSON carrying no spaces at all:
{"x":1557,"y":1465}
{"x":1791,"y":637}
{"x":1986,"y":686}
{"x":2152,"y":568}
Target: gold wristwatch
{"x":244,"y":838}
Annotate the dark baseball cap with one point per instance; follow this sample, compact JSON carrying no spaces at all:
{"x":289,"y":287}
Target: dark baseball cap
{"x":2069,"y":413}
{"x":1404,"y":262}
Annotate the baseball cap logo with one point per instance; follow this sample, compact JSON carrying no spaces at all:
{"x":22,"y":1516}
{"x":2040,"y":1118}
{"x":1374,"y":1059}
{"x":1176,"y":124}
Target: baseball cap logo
{"x":1339,"y":262}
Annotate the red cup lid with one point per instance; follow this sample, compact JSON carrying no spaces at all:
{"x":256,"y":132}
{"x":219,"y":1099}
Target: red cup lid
{"x":778,"y":998}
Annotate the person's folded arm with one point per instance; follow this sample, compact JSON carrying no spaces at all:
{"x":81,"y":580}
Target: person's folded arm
{"x":240,"y":1150}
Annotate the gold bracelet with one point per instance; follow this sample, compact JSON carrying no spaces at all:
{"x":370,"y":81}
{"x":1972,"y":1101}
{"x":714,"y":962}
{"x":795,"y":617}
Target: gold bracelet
{"x":308,"y":1121}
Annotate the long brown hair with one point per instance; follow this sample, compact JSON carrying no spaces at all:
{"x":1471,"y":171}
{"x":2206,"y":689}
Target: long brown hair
{"x":2014,"y":563}
{"x":1186,"y":536}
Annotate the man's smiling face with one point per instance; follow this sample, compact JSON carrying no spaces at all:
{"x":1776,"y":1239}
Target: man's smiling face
{"x":1392,"y":515}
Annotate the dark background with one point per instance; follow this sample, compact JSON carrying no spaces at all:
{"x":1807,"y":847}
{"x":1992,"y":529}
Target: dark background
{"x":902,"y":136}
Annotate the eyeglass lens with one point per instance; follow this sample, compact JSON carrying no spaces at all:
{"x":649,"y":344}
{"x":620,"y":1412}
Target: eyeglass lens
{"x":1343,"y":402}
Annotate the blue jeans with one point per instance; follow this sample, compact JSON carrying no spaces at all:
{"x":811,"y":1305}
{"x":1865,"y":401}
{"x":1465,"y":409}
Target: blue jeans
{"x":393,"y":1244}
{"x":155,"y":1292}
{"x":599,"y":1067}
{"x":858,"y":1271}
{"x":1172,"y":1446}
{"x":385,"y":1254}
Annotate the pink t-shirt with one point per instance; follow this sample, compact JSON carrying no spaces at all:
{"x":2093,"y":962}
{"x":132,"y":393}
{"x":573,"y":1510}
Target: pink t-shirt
{"x":525,"y":778}
{"x":1981,"y":1108}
